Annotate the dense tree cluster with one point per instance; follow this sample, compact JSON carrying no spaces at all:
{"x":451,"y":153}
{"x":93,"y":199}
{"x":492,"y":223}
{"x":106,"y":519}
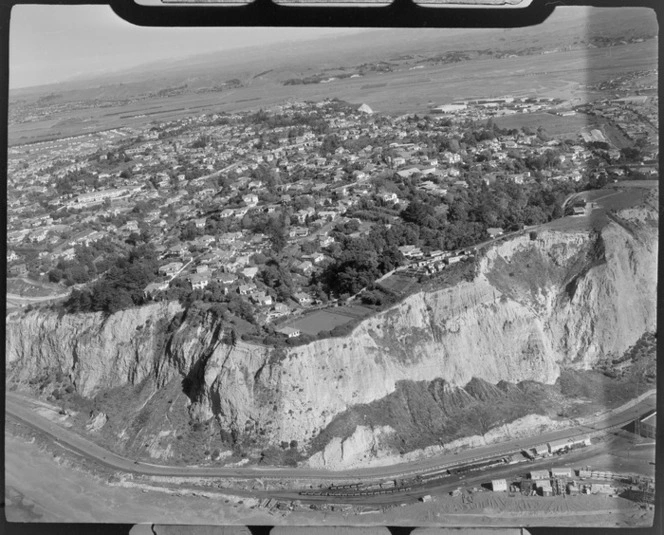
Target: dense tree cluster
{"x":296,"y":122}
{"x":278,"y":277}
{"x":122,"y":285}
{"x":358,"y":262}
{"x":429,"y":222}
{"x":88,"y":262}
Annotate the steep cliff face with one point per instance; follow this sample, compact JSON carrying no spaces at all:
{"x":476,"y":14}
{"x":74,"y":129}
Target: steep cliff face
{"x":95,"y":352}
{"x":564,"y":298}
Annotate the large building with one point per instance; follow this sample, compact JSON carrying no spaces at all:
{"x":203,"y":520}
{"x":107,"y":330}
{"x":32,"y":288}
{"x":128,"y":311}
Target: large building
{"x":561,"y":472}
{"x":498,"y":485}
{"x":449,"y":108}
{"x":95,"y":197}
{"x":290,"y":332}
{"x":539,"y":474}
{"x":648,"y":426}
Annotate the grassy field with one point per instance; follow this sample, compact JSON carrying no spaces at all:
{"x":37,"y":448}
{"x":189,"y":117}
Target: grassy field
{"x":27,"y":288}
{"x":398,"y":283}
{"x":565,"y":127}
{"x":325,"y":320}
{"x":606,"y":199}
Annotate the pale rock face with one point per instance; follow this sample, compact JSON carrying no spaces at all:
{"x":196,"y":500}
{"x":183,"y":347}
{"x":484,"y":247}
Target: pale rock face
{"x":96,"y":422}
{"x":470,"y":330}
{"x":359,"y":449}
{"x":365,"y":449}
{"x":491,"y":329}
{"x":94,"y":352}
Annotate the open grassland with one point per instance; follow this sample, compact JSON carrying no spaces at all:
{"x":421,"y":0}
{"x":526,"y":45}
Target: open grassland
{"x":608,"y":199}
{"x":556,"y":74}
{"x":557,"y":126}
{"x":325,"y":320}
{"x":28,"y":288}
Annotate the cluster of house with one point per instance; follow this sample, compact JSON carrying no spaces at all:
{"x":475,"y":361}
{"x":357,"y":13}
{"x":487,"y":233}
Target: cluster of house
{"x":636,"y":117}
{"x":175,"y":168}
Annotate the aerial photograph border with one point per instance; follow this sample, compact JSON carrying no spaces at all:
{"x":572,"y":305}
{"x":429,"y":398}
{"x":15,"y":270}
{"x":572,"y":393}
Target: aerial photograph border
{"x":394,"y":266}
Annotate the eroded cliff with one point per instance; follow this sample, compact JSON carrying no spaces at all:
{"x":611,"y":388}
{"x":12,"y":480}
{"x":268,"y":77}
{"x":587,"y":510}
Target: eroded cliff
{"x":560,"y":299}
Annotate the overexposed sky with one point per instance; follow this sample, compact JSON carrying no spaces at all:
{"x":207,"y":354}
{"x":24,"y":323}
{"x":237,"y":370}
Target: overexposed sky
{"x":50,"y":43}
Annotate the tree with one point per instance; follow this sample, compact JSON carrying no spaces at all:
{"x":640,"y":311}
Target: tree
{"x":419,"y":213}
{"x":275,"y":276}
{"x":55,"y":275}
{"x":189,"y":232}
{"x":276,"y":231}
{"x":630,"y":154}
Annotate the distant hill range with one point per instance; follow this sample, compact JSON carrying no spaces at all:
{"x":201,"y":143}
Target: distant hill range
{"x":261,"y":65}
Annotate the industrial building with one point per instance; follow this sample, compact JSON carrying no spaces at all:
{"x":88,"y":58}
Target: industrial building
{"x":602,"y":488}
{"x":449,"y":108}
{"x":544,"y":488}
{"x":539,"y":474}
{"x":567,"y":443}
{"x":540,"y":450}
{"x":499,"y":485}
{"x":648,"y":426}
{"x":561,"y":472}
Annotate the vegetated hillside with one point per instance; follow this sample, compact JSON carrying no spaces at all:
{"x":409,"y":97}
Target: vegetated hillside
{"x":275,"y":64}
{"x":163,"y":383}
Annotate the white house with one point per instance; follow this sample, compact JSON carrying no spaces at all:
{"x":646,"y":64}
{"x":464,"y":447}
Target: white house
{"x":494,"y":232}
{"x":302,"y":298}
{"x":170,"y":268}
{"x":251,"y":199}
{"x":199,"y":281}
{"x":250,"y":272}
{"x":290,"y":332}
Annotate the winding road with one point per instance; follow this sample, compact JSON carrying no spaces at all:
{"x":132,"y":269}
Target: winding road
{"x":22,"y":408}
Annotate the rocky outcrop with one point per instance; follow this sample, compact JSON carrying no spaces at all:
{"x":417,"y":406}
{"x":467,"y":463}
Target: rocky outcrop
{"x":563,"y":298}
{"x":364,"y":446}
{"x":96,"y":422}
{"x":368,"y":448}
